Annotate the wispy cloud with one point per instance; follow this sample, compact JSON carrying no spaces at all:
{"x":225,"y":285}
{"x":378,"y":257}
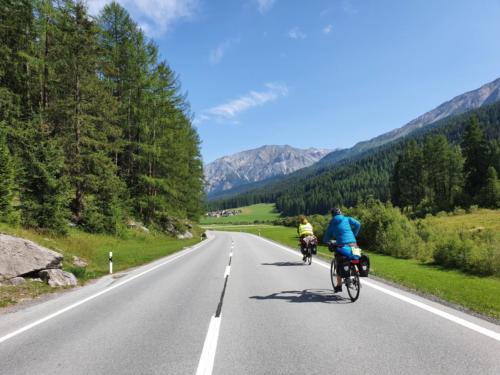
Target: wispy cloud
{"x":327,"y":29}
{"x":154,"y":16}
{"x":264,"y":5}
{"x":296,"y":33}
{"x":348,"y":7}
{"x":231,"y":109}
{"x":218,"y":53}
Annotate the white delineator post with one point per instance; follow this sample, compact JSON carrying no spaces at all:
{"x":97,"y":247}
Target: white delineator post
{"x":110,"y":262}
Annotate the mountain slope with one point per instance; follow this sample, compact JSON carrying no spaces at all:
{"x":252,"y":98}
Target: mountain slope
{"x":486,"y":94}
{"x":314,"y":190}
{"x":256,"y":165}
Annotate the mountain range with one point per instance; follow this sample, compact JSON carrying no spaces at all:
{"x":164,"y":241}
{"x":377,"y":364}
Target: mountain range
{"x":486,"y":94}
{"x":256,"y":165}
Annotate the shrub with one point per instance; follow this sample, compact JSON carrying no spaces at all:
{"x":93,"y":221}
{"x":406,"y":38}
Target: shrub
{"x":472,"y":251}
{"x":385,"y":229}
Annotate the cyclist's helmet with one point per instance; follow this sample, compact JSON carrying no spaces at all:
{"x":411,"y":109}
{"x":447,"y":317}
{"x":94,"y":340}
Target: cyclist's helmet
{"x":335,"y":211}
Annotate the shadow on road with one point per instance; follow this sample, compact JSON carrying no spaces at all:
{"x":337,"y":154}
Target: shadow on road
{"x":306,"y":295}
{"x":284,"y":264}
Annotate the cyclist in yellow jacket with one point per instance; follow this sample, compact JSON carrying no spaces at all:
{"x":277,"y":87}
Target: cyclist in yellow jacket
{"x":304,"y":230}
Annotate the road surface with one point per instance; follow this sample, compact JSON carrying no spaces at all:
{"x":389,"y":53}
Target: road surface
{"x":239,"y":304}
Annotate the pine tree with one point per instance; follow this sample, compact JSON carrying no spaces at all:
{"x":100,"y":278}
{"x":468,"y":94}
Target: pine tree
{"x":6,"y":178}
{"x":443,"y":172}
{"x":44,"y":193}
{"x":490,"y":193}
{"x":81,"y":113}
{"x":476,"y":153}
{"x":407,"y":179}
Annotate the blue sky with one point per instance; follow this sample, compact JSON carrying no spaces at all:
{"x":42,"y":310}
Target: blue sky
{"x":318,"y":73}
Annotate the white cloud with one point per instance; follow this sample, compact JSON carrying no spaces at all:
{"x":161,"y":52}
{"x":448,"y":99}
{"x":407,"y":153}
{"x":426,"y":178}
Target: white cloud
{"x":349,"y":7}
{"x":264,"y":5}
{"x":154,"y":16}
{"x":296,"y":33}
{"x":327,"y":29}
{"x":232,"y":108}
{"x":218,"y":53}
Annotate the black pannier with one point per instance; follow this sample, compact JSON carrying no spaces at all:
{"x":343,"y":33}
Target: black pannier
{"x":364,"y":266}
{"x":343,"y":266}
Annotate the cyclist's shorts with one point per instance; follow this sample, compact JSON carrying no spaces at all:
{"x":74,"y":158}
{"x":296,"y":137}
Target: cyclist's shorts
{"x":346,"y":251}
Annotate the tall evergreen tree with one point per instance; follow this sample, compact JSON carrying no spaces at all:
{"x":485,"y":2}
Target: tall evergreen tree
{"x":408,"y":177}
{"x":443,"y":172}
{"x":476,"y":154}
{"x":490,"y":193}
{"x":81,"y":113}
{"x":6,"y":178}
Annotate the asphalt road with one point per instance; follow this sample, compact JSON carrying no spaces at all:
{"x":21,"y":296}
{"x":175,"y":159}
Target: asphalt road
{"x":239,"y":304}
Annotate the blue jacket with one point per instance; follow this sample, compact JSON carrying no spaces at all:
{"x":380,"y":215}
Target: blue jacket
{"x":343,"y":228}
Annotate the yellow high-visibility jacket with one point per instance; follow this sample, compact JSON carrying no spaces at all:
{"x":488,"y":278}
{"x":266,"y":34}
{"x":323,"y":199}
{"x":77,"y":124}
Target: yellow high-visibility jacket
{"x":305,"y":229}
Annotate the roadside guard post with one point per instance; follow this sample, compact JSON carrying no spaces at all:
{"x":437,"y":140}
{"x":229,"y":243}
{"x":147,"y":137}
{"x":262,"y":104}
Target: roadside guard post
{"x":110,"y":262}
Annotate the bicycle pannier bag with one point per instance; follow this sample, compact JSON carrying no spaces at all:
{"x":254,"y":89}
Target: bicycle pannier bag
{"x":364,"y":266}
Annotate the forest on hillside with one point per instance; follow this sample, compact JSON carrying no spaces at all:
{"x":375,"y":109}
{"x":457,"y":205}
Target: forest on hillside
{"x":94,"y":128}
{"x":371,"y":174}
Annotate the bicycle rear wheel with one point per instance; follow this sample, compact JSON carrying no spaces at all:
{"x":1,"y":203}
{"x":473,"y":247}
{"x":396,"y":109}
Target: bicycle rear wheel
{"x":333,"y":272}
{"x":352,"y":284}
{"x":309,"y":256}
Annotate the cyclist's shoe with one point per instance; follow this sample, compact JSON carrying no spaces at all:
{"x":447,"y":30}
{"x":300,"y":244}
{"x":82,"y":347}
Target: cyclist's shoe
{"x":337,"y":289}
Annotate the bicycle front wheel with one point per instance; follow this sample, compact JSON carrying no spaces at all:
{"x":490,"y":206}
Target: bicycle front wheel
{"x":333,"y":272}
{"x":353,"y":285}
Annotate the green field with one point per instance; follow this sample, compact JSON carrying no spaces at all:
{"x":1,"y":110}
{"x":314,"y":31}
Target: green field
{"x":133,"y":249}
{"x":479,"y":294}
{"x":479,"y":219}
{"x":257,"y":212}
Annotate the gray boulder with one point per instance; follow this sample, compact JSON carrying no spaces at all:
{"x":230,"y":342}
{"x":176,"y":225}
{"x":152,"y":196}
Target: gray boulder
{"x":16,"y":281}
{"x":57,"y":277}
{"x":79,"y":262}
{"x":185,"y":236}
{"x":19,"y":256}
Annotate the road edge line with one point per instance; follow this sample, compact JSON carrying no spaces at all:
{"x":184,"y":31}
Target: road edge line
{"x":170,"y":259}
{"x":455,"y":319}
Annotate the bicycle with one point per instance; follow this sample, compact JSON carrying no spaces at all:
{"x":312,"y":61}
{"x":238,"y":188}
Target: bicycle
{"x":310,"y":249}
{"x":348,"y":270}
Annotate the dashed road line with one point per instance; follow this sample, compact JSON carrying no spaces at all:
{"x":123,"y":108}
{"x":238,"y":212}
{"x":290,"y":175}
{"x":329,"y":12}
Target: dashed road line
{"x":207,"y":358}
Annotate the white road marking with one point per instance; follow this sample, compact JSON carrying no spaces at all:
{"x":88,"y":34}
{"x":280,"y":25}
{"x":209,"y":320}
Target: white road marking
{"x":464,"y":323}
{"x":85,"y":300}
{"x":206,"y":363}
{"x":227,"y":271}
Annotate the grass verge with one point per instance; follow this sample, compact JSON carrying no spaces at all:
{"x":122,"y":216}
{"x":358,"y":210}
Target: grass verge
{"x":478,"y":294}
{"x":131,"y":250}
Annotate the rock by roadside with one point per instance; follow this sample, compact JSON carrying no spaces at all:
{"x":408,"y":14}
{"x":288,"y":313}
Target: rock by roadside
{"x":79,"y":262}
{"x":15,"y":281}
{"x":57,"y":277}
{"x":19,"y":256}
{"x":185,"y":236}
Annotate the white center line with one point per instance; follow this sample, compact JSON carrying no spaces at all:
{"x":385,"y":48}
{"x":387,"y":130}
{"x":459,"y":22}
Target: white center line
{"x":206,"y":363}
{"x":464,"y":323}
{"x":90,"y":298}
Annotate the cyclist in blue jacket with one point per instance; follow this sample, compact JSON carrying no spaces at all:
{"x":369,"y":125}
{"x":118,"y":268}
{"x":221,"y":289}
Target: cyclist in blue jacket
{"x":344,"y":229}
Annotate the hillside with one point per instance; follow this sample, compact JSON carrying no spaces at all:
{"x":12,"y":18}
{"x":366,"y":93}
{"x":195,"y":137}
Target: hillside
{"x":256,"y":165}
{"x":483,"y":96}
{"x":359,"y":176}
